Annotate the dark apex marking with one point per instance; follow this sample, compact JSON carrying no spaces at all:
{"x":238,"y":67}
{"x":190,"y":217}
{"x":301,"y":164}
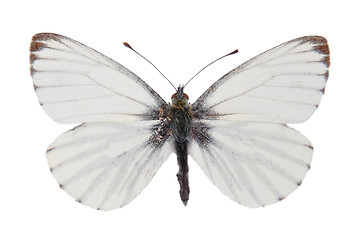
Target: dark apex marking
{"x":313,"y":39}
{"x":61,"y":186}
{"x":45,"y":37}
{"x":78,"y":200}
{"x":37,"y":46}
{"x":299,"y":183}
{"x":281,"y":198}
{"x":322,"y":49}
{"x":322,"y":90}
{"x":310,"y":146}
{"x":51,"y":169}
{"x":308,"y":166}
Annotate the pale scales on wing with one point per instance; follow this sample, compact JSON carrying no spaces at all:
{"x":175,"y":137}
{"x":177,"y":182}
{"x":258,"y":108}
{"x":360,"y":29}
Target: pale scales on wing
{"x":237,"y":133}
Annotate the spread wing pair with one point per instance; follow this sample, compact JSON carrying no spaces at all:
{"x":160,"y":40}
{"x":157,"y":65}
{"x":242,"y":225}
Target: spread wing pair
{"x":238,"y":137}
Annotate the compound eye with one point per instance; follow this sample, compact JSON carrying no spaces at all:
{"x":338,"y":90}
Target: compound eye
{"x":173,"y":95}
{"x":186,"y":96}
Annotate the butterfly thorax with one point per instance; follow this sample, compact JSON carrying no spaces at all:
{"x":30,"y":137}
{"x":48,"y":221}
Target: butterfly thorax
{"x":180,"y":116}
{"x":181,"y":119}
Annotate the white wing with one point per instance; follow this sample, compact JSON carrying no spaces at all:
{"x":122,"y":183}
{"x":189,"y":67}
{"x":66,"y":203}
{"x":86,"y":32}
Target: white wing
{"x":255,"y":164}
{"x":105,"y":165}
{"x":282,"y":85}
{"x":240,"y":139}
{"x":75,"y":83}
{"x":107,"y":161}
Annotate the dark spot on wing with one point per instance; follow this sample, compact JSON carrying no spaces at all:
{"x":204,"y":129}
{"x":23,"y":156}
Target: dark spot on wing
{"x":310,"y":146}
{"x":51,"y":169}
{"x":281,"y":198}
{"x":322,"y":90}
{"x":78,"y":200}
{"x":61,"y":186}
{"x":308,"y":166}
{"x":299,"y":183}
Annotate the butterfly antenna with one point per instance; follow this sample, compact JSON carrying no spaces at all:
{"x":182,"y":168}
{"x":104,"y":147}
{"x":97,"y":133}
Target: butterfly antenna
{"x":235,"y":51}
{"x":128,"y":46}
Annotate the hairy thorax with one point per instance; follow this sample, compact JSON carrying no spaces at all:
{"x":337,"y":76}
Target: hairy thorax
{"x":181,"y":119}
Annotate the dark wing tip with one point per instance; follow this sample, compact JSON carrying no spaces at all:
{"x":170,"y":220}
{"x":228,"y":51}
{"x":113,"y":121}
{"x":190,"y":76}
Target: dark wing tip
{"x":320,"y":46}
{"x":37,"y":42}
{"x":320,"y":43}
{"x":45,"y":36}
{"x":36,"y":46}
{"x":322,"y":49}
{"x":315,"y":39}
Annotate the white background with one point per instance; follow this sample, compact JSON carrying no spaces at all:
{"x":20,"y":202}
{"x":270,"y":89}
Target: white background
{"x":181,"y":38}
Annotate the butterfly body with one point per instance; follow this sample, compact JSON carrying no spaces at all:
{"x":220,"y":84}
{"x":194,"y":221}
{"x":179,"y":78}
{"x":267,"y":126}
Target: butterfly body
{"x":181,"y":123}
{"x":236,"y":131}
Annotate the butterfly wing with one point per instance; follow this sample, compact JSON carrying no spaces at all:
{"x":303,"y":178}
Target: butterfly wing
{"x":240,"y":139}
{"x":108,"y":160}
{"x":105,"y":165}
{"x":282,"y":85}
{"x":76,"y":84}
{"x":255,"y":164}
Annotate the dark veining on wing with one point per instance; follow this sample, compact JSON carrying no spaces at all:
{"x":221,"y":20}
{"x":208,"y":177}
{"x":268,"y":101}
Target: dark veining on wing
{"x":37,"y":45}
{"x":320,"y":46}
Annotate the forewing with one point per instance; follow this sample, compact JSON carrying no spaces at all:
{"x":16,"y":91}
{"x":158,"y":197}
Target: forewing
{"x":282,"y":85}
{"x":105,"y":165}
{"x":75,"y":83}
{"x":255,"y":164}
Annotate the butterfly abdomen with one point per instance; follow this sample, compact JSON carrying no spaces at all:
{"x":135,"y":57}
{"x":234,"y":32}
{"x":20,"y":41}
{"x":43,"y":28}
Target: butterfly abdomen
{"x":181,"y":121}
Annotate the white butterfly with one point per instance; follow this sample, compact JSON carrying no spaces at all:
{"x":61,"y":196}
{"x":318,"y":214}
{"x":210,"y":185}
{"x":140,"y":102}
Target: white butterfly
{"x":236,"y":131}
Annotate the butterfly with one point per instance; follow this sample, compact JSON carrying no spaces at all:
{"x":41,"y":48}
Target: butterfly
{"x":235,"y":131}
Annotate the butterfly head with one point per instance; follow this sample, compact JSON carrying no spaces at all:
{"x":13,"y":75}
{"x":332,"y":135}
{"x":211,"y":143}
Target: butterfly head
{"x":180,"y":98}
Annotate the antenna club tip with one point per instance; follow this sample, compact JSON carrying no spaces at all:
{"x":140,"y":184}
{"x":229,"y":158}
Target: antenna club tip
{"x":127,"y":45}
{"x":234,"y":52}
